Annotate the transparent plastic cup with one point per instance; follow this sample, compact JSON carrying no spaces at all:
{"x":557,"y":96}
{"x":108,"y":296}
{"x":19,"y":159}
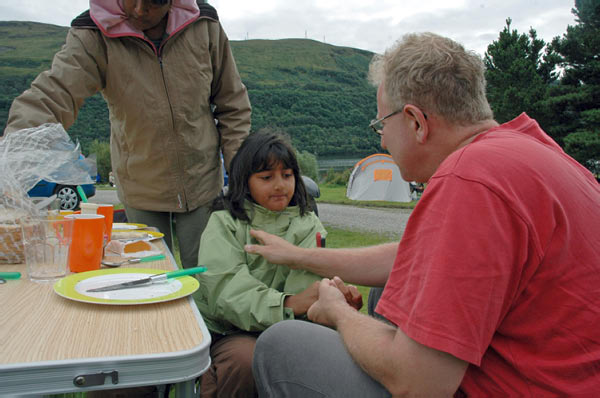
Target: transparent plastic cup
{"x":46,"y":245}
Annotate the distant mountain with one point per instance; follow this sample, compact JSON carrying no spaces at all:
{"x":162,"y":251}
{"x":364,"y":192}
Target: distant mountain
{"x":316,"y":92}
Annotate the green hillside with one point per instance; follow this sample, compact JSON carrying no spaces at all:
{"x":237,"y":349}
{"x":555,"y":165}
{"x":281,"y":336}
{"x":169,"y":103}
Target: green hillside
{"x":316,"y":92}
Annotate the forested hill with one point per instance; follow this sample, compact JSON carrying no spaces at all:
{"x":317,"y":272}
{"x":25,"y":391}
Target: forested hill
{"x":317,"y":93}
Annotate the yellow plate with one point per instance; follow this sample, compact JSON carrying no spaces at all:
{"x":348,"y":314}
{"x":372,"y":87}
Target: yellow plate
{"x":134,"y":234}
{"x":128,"y":225}
{"x":75,"y":286}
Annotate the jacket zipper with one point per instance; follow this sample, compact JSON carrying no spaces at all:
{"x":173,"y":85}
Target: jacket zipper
{"x":160,"y":62}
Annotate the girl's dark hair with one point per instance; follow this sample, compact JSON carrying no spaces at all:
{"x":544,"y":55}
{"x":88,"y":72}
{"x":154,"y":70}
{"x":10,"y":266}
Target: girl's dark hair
{"x":160,"y":2}
{"x":259,"y":152}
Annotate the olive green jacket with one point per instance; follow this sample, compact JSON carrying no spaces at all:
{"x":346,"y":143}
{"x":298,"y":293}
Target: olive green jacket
{"x":242,"y":291}
{"x":164,"y":142}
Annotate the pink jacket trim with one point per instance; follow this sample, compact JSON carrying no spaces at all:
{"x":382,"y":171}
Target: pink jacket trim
{"x":109,"y":16}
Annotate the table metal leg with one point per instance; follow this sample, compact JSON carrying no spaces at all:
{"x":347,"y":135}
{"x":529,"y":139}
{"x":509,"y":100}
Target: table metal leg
{"x":187,"y":389}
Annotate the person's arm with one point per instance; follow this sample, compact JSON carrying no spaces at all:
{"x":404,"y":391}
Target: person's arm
{"x":301,"y":302}
{"x":403,"y":366}
{"x":56,"y":95}
{"x":230,"y":97}
{"x":369,"y":266}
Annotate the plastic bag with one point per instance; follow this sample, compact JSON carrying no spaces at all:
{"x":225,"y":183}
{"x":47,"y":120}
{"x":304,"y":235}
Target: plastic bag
{"x":26,"y":157}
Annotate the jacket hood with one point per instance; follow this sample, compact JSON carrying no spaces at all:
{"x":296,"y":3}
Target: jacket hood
{"x":112,"y":21}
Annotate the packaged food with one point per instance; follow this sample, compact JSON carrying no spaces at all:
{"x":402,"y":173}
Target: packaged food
{"x":28,"y":156}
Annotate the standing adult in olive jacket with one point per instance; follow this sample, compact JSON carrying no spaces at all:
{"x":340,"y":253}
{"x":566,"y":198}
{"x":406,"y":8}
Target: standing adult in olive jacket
{"x":166,"y":71}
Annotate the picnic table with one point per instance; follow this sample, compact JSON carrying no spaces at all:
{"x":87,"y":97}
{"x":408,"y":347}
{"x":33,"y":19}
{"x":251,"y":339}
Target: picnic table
{"x":50,"y":344}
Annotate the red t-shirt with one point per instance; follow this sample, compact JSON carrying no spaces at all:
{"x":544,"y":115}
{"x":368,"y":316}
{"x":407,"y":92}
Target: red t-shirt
{"x":499,"y":266}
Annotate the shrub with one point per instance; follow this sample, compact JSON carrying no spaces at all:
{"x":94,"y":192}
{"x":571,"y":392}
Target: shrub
{"x":339,"y":178}
{"x":308,"y":164}
{"x":102,"y":152}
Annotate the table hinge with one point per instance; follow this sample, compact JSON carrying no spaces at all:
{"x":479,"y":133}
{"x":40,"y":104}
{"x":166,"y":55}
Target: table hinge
{"x":96,"y":379}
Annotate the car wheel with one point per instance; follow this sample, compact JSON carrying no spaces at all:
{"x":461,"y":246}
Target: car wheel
{"x":69,"y":199}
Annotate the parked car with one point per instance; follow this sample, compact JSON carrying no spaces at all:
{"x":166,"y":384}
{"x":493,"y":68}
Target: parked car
{"x":69,"y":198}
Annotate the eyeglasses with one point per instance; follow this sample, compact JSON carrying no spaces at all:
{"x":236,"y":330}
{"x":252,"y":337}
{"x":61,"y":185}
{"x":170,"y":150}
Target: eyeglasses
{"x":377,"y":125}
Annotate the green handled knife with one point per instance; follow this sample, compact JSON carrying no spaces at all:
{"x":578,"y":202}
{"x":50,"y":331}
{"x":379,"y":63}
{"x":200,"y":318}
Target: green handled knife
{"x":10,"y":275}
{"x":150,"y":280}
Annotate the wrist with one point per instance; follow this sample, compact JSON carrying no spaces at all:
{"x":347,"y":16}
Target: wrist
{"x":341,"y":314}
{"x":286,"y":302}
{"x":291,"y":302}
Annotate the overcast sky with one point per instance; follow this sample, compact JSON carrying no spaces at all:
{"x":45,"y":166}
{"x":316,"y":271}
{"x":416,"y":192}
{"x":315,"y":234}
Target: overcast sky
{"x":368,"y":25}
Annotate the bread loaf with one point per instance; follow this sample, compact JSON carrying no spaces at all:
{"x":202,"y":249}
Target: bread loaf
{"x":11,"y":242}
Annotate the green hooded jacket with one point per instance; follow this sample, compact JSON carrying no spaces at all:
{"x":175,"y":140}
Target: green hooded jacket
{"x":242,"y":291}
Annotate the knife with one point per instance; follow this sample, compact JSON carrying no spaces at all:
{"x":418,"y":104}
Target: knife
{"x":150,"y":280}
{"x":10,"y":275}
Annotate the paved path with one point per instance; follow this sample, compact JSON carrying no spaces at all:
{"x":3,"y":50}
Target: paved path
{"x":386,"y":221}
{"x":105,"y":196}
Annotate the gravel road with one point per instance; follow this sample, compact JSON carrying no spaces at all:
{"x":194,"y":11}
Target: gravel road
{"x":105,"y":196}
{"x":386,"y":221}
{"x":390,"y":222}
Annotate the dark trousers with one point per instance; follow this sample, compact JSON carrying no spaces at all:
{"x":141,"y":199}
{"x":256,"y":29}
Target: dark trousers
{"x":188,"y":228}
{"x":230,"y":372}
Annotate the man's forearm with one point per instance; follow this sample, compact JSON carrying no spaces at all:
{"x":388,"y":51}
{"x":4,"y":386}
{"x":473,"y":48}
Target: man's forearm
{"x":369,"y":342}
{"x":402,"y":366}
{"x":369,"y":266}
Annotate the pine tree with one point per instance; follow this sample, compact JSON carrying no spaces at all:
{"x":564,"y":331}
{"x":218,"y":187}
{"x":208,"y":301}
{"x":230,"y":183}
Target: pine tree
{"x":518,"y":73}
{"x":576,"y":101}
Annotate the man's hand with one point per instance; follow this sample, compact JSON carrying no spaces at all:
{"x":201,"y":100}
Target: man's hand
{"x":275,"y":249}
{"x":302,"y":301}
{"x":330,"y":303}
{"x":350,"y":292}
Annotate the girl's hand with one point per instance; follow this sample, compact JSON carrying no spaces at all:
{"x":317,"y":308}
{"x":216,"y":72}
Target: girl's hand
{"x":275,"y":249}
{"x":302,"y":301}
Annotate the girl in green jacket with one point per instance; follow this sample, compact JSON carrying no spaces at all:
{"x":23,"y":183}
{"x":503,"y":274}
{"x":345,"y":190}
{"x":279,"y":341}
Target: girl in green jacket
{"x":242,"y":294}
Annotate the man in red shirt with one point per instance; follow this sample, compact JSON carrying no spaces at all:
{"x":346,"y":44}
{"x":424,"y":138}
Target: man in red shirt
{"x":494,"y":289}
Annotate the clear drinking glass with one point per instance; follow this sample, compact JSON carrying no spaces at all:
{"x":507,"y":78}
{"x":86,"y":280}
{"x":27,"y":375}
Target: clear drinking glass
{"x":46,"y":245}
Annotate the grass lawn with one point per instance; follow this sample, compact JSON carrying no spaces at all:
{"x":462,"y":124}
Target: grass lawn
{"x":341,"y":238}
{"x":336,"y":194}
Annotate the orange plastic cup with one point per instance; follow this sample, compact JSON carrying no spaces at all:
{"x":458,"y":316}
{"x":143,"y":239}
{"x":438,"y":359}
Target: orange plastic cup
{"x":107,"y":211}
{"x":85,"y":253}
